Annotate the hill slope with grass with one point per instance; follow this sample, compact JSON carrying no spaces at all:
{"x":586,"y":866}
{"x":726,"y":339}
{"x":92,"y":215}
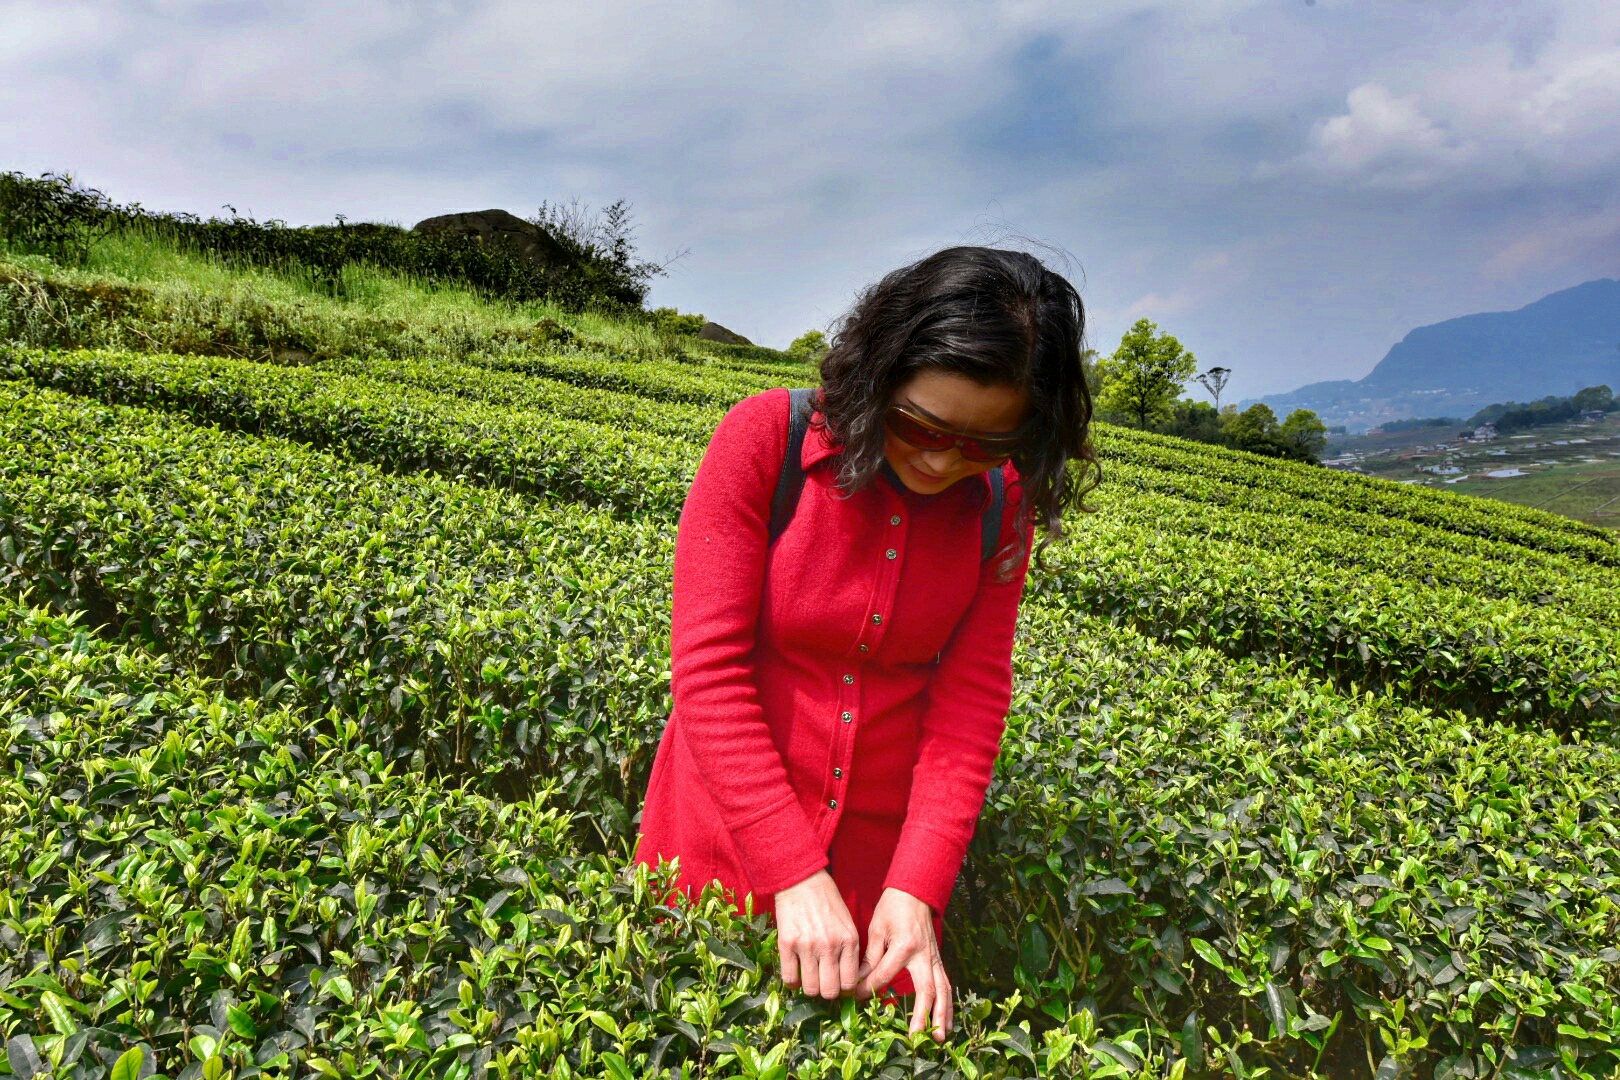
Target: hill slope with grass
{"x":334,"y":613}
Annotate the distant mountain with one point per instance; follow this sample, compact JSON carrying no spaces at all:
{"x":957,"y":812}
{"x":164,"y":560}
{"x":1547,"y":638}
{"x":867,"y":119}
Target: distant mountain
{"x":1557,"y":345}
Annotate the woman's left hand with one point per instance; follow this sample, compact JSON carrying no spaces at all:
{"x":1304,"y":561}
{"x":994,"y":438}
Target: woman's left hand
{"x":902,"y":938}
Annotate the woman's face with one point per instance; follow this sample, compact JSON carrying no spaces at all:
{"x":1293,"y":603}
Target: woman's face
{"x":962,"y":405}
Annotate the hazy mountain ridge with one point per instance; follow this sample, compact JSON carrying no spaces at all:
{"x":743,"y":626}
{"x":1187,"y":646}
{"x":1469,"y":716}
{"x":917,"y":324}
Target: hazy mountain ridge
{"x":1559,"y":344}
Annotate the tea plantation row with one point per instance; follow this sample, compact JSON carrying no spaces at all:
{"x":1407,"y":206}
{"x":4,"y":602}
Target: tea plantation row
{"x":1480,"y":638}
{"x":1222,"y":859}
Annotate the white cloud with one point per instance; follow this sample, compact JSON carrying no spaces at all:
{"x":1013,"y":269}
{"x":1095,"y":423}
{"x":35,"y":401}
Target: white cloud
{"x":1386,"y":141}
{"x":1482,"y":112}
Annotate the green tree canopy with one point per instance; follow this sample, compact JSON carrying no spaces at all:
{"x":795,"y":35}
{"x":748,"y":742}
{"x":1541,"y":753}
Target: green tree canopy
{"x":1088,"y":368}
{"x":667,"y":318}
{"x":1254,"y":429}
{"x":810,"y":346}
{"x":1304,"y":435}
{"x":1594,"y":397}
{"x":1144,"y":377}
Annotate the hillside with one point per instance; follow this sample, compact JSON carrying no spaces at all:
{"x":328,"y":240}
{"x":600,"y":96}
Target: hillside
{"x":335,"y":626}
{"x":1560,"y":344}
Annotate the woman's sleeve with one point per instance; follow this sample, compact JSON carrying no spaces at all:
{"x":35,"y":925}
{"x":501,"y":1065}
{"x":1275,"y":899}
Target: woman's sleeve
{"x":962,"y":723}
{"x":720,"y":548}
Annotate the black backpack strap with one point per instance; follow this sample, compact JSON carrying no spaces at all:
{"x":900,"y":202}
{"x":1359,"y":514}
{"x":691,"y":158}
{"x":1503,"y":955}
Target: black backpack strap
{"x":990,"y":527}
{"x":801,"y":403}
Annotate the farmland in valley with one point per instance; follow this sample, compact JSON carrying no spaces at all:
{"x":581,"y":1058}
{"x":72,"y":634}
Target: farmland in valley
{"x":334,"y":615}
{"x":1571,"y":468}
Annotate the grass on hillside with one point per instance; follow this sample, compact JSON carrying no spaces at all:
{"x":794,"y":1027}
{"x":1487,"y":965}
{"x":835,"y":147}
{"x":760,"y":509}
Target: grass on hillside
{"x":137,"y":291}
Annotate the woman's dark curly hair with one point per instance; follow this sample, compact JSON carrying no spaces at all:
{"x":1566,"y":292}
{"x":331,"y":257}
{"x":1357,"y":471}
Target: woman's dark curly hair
{"x":996,"y":317}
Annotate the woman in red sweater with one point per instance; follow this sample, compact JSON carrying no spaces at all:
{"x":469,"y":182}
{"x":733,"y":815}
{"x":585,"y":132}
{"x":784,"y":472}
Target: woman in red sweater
{"x":840,"y":692}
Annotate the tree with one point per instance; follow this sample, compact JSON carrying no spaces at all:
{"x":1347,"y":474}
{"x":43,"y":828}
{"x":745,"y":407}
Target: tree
{"x":1214,"y":381}
{"x":603,"y":242}
{"x":1304,"y":436}
{"x":809,"y":346}
{"x":1145,"y":375}
{"x":1191,"y":419}
{"x":1593,"y":398}
{"x":1254,"y":429}
{"x":672,"y":321}
{"x":1088,"y":370}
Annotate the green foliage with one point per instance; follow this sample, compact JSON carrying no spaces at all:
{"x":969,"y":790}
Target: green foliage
{"x":398,"y":426}
{"x":207,"y":311}
{"x":809,"y":346}
{"x":1145,"y":374}
{"x":1254,"y":429}
{"x":1303,"y":435}
{"x":1172,"y":833}
{"x":603,"y":251}
{"x":474,"y":635}
{"x":676,"y":323}
{"x":1195,"y":420}
{"x":54,"y":215}
{"x":1421,"y":423}
{"x":1511,"y":416}
{"x":1353,"y":622}
{"x":204,"y":885}
{"x":1594,"y":399}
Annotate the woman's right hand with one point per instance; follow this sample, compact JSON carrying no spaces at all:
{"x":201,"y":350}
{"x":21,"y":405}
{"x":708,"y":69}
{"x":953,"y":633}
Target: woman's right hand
{"x":817,"y":938}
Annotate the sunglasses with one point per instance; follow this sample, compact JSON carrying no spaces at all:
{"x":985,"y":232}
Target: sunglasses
{"x":911,"y":427}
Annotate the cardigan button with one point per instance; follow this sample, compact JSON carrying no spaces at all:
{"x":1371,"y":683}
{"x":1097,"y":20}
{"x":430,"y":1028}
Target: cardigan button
{"x":863,"y":648}
{"x":877,"y":620}
{"x":847,"y":717}
{"x":837,"y":773}
{"x":832,"y":804}
{"x":895,"y":520}
{"x":891,"y":554}
{"x":848,"y":679}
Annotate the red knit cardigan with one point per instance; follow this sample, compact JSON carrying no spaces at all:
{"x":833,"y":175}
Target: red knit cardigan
{"x":839,"y":696}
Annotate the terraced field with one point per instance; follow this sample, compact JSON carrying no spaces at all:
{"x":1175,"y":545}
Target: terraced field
{"x":330,"y":691}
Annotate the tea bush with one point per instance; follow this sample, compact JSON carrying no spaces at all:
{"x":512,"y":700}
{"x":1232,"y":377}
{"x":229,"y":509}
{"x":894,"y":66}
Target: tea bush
{"x":1441,"y":644}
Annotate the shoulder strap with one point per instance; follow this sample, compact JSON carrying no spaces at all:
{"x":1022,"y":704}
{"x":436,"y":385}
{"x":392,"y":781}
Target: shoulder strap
{"x":801,"y":403}
{"x":990,"y":527}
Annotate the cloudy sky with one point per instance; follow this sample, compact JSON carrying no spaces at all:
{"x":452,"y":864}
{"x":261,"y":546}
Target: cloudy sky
{"x":1286,"y":185}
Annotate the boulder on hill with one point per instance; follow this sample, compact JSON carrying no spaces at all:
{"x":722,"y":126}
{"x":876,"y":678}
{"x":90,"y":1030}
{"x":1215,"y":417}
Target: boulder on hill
{"x":529,"y":240}
{"x":713,"y":331}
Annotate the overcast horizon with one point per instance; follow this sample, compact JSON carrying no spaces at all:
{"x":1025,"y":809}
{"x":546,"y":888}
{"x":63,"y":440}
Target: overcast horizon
{"x":1288,"y":187}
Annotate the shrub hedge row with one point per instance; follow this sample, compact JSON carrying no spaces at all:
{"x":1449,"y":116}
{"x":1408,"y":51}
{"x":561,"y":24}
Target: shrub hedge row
{"x":1243,"y":477}
{"x":1420,"y":554}
{"x":1438,"y":645}
{"x":1510,"y":657}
